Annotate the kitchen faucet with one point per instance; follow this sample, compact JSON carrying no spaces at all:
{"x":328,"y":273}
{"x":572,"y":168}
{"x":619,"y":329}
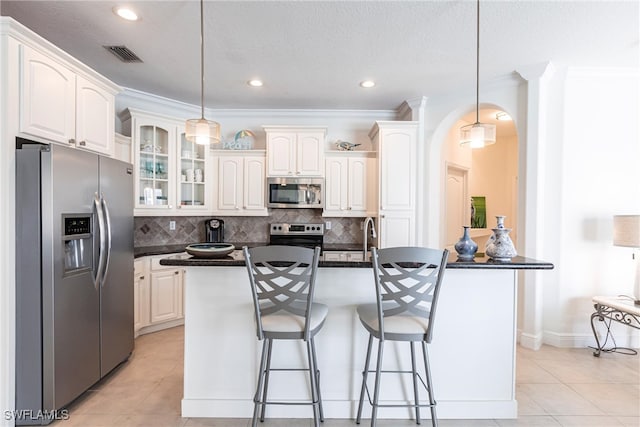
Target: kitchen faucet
{"x":365,"y":236}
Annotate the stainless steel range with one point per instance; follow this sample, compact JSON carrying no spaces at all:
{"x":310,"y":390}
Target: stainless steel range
{"x":306,"y":235}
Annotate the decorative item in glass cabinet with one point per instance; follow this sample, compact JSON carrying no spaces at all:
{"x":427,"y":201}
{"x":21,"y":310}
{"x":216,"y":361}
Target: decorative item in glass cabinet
{"x":501,"y":248}
{"x":466,"y":247}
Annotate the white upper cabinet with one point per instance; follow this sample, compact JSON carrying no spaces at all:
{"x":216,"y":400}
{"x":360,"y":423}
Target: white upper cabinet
{"x":94,"y":117}
{"x":295,"y":151}
{"x":62,"y":105}
{"x":240,"y":188}
{"x":348,"y":184}
{"x":396,"y":144}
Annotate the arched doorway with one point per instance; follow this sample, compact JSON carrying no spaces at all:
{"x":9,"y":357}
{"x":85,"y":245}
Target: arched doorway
{"x":488,"y":174}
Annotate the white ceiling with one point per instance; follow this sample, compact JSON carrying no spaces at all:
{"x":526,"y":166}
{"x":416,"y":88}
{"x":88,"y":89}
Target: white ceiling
{"x":313,"y":54}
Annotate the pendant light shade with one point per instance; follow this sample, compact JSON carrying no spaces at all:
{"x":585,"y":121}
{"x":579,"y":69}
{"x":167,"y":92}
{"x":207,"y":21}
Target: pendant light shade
{"x":202,"y":131}
{"x":478,"y":135}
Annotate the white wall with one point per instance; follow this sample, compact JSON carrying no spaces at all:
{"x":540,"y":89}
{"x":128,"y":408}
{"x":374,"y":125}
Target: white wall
{"x":593,"y":174}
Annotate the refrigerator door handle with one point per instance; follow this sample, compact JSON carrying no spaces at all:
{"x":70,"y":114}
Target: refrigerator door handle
{"x":107,"y":218}
{"x":101,"y":249}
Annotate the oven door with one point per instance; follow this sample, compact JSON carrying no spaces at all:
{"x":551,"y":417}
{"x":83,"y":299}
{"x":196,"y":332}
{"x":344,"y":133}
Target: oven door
{"x":303,"y":241}
{"x":294,"y":193}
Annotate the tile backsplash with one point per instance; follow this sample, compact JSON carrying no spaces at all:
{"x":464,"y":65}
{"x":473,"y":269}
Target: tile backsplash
{"x":154,"y":231}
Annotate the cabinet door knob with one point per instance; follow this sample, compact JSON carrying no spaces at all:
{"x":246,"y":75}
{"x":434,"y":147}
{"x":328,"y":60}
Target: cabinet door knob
{"x":141,"y":277}
{"x":176,"y":272}
{"x":179,"y":207}
{"x":72,"y":141}
{"x":349,"y":208}
{"x":83,"y":143}
{"x":298,"y":173}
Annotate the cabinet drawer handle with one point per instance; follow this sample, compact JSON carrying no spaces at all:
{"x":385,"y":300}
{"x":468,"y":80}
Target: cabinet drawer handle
{"x":82,"y":143}
{"x":141,"y":277}
{"x":176,"y":272}
{"x":298,"y":173}
{"x":349,"y":208}
{"x":72,"y":141}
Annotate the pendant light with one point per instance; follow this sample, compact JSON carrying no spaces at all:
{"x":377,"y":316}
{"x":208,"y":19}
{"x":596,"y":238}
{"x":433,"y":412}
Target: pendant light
{"x":202,"y":131}
{"x":478,"y":135}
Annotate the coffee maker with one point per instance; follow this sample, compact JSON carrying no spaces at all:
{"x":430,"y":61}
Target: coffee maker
{"x":214,"y":230}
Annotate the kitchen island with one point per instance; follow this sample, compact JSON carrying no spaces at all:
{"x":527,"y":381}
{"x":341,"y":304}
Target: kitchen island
{"x":472,"y":354}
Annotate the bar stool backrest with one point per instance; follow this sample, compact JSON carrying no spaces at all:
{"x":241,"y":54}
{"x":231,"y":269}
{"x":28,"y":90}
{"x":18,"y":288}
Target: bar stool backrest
{"x":282,"y":279}
{"x":408,"y":281}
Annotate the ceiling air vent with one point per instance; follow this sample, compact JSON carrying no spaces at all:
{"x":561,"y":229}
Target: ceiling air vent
{"x":123,"y":53}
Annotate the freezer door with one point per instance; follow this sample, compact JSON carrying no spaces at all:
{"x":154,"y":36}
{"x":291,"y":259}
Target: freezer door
{"x":71,"y":300}
{"x":116,"y":303}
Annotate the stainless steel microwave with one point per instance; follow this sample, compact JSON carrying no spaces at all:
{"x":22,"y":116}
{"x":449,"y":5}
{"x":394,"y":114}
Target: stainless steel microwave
{"x":295,"y":193}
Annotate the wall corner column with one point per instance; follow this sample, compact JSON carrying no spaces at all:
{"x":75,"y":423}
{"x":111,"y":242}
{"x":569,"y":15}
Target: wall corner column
{"x":531,"y":221}
{"x":414,"y":110}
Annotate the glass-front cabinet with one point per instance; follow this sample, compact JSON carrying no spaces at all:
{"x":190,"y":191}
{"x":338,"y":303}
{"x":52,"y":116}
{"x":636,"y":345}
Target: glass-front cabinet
{"x":154,"y":166}
{"x":173,"y":175}
{"x":193,"y":167}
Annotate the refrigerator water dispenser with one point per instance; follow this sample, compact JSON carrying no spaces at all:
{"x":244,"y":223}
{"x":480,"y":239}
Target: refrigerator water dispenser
{"x":78,"y":243}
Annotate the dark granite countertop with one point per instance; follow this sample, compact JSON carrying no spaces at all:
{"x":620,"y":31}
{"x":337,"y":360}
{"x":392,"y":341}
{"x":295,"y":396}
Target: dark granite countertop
{"x":516,"y":263}
{"x":141,"y":251}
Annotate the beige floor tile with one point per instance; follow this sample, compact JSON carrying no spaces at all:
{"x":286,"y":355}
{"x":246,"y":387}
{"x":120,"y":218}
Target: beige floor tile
{"x":559,"y":399}
{"x":578,"y":421}
{"x":461,"y":423}
{"x":533,"y":373}
{"x":147,"y":391}
{"x":589,"y":370}
{"x":629,"y":421}
{"x":612,"y":399}
{"x":218,"y":422}
{"x":526,"y":405}
{"x":530,"y":421}
{"x":84,"y":420}
{"x":164,"y":399}
{"x":151,"y":420}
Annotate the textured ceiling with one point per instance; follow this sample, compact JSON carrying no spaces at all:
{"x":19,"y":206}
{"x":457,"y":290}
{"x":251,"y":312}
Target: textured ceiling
{"x":313,"y":54}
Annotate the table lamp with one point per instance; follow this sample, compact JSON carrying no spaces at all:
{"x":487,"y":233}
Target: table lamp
{"x":626,"y":232}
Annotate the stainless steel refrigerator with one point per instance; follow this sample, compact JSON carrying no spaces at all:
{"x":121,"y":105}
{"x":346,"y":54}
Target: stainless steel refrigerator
{"x":74,"y":275}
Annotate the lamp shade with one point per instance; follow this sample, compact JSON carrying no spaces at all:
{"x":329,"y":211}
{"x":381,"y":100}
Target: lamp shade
{"x":202,"y":131}
{"x":478,"y":135}
{"x":626,"y":230}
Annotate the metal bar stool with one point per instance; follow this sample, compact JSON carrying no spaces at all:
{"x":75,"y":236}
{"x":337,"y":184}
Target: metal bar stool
{"x":282,"y":285}
{"x":407,"y":281}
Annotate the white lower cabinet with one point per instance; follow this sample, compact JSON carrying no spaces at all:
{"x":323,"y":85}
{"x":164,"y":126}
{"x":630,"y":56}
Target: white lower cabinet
{"x":141,"y":294}
{"x":158,"y":295}
{"x":351,"y":256}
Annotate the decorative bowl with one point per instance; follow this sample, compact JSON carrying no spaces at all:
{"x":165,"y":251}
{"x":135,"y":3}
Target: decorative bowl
{"x":210,"y":250}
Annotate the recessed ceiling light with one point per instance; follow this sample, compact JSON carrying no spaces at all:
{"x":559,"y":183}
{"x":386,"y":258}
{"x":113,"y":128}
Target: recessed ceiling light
{"x":255,"y":83}
{"x":125,"y":13}
{"x":367,"y":83}
{"x":502,"y":116}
